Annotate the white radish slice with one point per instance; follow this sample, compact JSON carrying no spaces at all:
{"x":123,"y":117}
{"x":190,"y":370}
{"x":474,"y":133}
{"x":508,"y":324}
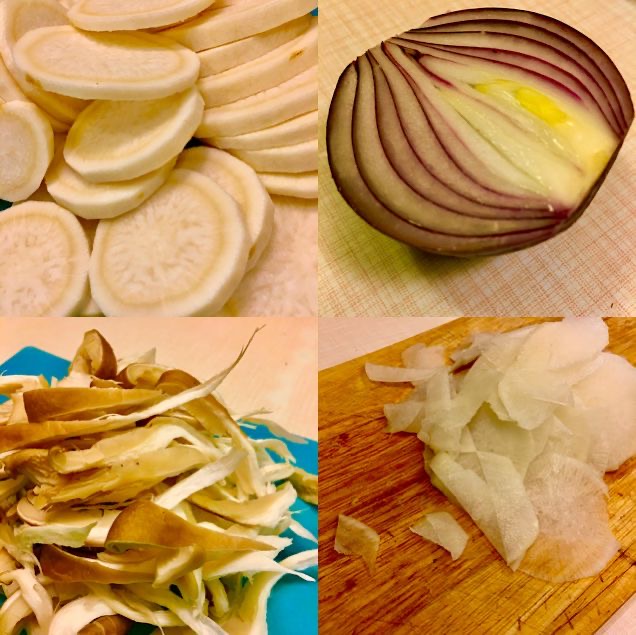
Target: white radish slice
{"x":292,"y":98}
{"x":26,"y":139}
{"x":226,"y":56}
{"x":294,"y":185}
{"x":123,"y":15}
{"x":574,"y":539}
{"x":18,"y":17}
{"x":117,"y":65}
{"x":181,"y":252}
{"x":266,"y":72}
{"x":302,"y":157}
{"x":101,"y":200}
{"x":243,"y":185}
{"x":43,"y":260}
{"x":231,"y":20}
{"x":121,"y":140}
{"x":442,"y":529}
{"x":291,"y":132}
{"x":611,"y":392}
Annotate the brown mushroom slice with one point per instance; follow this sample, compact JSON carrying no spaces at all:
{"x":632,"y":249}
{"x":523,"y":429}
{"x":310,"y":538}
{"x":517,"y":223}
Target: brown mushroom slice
{"x":354,"y":538}
{"x":144,"y":524}
{"x":61,"y":566}
{"x":61,"y":404}
{"x":95,"y":357}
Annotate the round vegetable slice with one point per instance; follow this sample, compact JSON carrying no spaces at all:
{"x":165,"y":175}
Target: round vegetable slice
{"x":236,"y":19}
{"x":290,"y":132}
{"x":302,"y":157}
{"x":121,"y":140}
{"x":26,"y":139}
{"x":482,"y":114}
{"x":106,"y":65}
{"x":101,"y":200}
{"x":221,"y":58}
{"x":122,"y":15}
{"x":18,"y":17}
{"x":292,"y":98}
{"x":296,"y":185}
{"x":44,"y":260}
{"x":265,"y":72}
{"x":181,"y":252}
{"x":242,"y":184}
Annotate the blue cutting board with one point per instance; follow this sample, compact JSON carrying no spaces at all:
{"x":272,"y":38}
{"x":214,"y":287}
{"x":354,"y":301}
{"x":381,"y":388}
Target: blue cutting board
{"x":293,"y":604}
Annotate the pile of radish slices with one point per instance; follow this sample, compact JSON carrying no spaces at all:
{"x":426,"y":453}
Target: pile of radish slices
{"x":519,"y":432}
{"x":482,"y":132}
{"x":98,"y":101}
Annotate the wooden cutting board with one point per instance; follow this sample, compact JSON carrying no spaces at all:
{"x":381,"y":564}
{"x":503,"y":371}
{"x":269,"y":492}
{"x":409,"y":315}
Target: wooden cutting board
{"x":417,"y":588}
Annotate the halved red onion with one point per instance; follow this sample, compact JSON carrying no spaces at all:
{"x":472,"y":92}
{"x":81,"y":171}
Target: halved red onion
{"x":482,"y":132}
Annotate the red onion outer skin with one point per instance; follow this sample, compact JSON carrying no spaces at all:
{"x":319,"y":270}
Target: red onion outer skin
{"x":519,"y":228}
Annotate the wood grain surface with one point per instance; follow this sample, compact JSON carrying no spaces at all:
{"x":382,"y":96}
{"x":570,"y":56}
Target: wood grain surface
{"x":380,"y":479}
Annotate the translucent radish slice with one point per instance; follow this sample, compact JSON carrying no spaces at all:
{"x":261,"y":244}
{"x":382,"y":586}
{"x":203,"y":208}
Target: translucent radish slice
{"x":26,"y":139}
{"x":243,"y":185}
{"x":106,"y":65}
{"x":611,"y":392}
{"x":122,"y":15}
{"x":181,"y":252}
{"x":574,"y":539}
{"x":44,"y":260}
{"x":442,"y":529}
{"x":122,"y":140}
{"x":235,"y":19}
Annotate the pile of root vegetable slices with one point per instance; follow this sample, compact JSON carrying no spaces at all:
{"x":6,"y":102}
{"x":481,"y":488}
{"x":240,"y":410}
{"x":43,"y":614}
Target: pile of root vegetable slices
{"x":130,"y":494}
{"x":98,"y":102}
{"x":519,"y":431}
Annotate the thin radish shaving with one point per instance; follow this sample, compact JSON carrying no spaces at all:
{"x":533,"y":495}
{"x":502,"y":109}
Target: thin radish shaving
{"x":521,"y":440}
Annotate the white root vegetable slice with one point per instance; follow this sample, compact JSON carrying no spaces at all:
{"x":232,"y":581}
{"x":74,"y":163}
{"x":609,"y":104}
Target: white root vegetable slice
{"x":242,"y":184}
{"x":292,"y":98}
{"x":114,"y":66}
{"x":574,"y":539}
{"x":294,"y":185}
{"x":121,"y":140}
{"x":221,"y":58}
{"x":18,"y":17}
{"x":266,"y":72}
{"x":302,"y":157}
{"x":44,"y":259}
{"x":442,"y":529}
{"x":354,"y":538}
{"x":26,"y":139}
{"x":123,"y":15}
{"x":404,"y":417}
{"x":291,"y":132}
{"x":101,"y":200}
{"x":233,"y":20}
{"x":9,"y":89}
{"x":181,"y":252}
